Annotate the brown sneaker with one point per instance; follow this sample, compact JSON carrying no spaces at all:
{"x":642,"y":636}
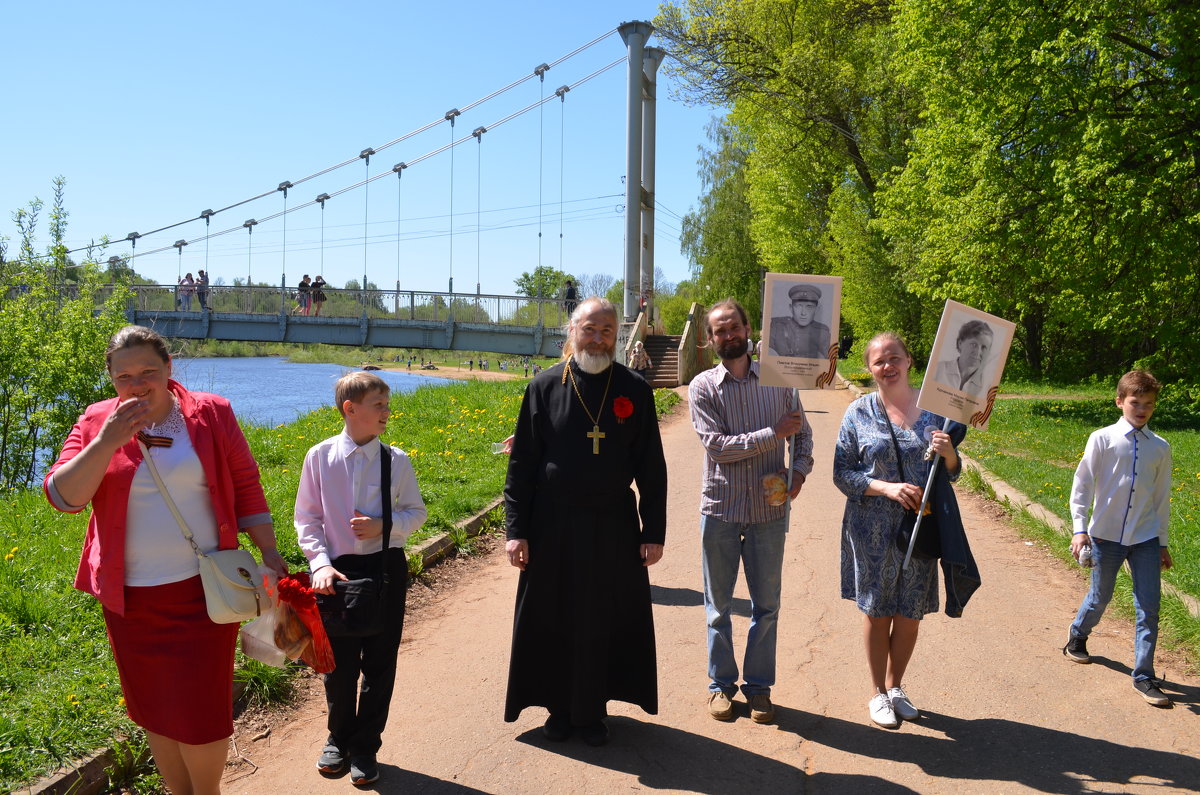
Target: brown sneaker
{"x":761,"y":708}
{"x":720,"y":706}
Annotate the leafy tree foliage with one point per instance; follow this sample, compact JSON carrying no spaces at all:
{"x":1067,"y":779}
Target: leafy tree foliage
{"x":716,"y":237}
{"x":1039,"y":161}
{"x":818,"y":124}
{"x":53,"y":332}
{"x":544,"y":282}
{"x":1056,"y":181}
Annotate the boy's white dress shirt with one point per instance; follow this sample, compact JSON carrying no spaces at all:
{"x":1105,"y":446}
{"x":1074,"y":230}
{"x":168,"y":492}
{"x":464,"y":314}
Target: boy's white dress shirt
{"x":340,"y":477}
{"x":1124,"y":477}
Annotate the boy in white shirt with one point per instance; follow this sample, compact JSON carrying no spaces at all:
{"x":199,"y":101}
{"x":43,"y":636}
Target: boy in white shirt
{"x":1124,"y":479}
{"x":339,"y":509}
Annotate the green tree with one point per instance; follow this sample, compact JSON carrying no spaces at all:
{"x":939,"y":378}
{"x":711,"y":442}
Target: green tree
{"x":544,"y":282}
{"x":819,"y":123}
{"x":52,"y":342}
{"x":716,"y":237}
{"x":1056,"y":181}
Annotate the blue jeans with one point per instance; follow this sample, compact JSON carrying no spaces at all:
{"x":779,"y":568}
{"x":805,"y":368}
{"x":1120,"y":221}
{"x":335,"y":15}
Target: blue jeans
{"x":1145,"y":565}
{"x":759,"y":547}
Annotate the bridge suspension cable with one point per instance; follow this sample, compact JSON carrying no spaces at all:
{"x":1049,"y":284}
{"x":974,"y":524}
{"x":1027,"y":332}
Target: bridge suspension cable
{"x":433,"y":153}
{"x":207,"y":214}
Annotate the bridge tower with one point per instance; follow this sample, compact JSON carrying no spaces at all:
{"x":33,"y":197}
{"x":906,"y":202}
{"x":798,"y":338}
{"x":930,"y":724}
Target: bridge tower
{"x":637,"y":285}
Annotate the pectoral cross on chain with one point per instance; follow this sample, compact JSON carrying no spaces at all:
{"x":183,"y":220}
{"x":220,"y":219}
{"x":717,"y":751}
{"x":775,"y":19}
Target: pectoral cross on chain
{"x":595,"y":435}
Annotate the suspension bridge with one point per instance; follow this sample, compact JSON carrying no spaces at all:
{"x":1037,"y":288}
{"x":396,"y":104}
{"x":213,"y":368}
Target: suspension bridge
{"x":250,"y":310}
{"x":516,"y":325}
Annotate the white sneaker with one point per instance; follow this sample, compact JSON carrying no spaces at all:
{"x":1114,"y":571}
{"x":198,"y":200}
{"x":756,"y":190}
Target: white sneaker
{"x":901,"y":704}
{"x":882,"y":711}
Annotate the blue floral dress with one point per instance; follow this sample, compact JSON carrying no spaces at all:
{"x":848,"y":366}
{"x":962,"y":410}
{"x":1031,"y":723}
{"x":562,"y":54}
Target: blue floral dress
{"x":872,"y":567}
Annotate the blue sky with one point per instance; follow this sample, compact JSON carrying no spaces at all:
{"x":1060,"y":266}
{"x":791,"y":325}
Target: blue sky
{"x":156,"y":111}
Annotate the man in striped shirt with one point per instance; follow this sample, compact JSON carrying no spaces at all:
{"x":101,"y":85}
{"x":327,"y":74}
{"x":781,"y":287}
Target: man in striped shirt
{"x":743,"y":426}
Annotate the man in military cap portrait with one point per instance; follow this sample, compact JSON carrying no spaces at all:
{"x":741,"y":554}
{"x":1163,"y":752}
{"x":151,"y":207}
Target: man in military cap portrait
{"x":801,"y":334}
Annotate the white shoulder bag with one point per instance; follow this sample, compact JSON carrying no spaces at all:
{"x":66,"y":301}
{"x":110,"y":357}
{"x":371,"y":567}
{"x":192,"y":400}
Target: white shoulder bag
{"x":231,"y":588}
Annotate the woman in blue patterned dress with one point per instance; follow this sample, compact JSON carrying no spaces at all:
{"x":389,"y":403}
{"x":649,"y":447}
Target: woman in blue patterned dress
{"x":893,"y":599}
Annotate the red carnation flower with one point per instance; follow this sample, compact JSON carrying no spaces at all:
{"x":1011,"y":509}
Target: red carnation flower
{"x":622,"y":407}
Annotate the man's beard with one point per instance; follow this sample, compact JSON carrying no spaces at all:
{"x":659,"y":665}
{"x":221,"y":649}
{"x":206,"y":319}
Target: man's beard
{"x":733,"y":349}
{"x":594,"y":363}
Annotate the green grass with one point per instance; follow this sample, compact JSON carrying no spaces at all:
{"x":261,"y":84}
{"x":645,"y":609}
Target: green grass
{"x":58,"y":685}
{"x":1179,"y":629}
{"x":1035,"y":445}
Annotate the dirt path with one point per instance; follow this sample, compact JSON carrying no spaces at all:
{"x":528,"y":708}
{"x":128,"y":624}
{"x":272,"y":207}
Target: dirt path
{"x":1003,"y":710}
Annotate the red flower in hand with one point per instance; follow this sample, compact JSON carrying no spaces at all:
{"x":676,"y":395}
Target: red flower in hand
{"x":296,"y":589}
{"x":622,"y":407}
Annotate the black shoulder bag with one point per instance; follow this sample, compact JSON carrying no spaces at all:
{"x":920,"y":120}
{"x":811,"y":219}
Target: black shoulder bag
{"x":356,"y":607}
{"x":929,"y":540}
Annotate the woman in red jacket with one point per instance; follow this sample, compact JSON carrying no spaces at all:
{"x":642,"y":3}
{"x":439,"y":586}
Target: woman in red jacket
{"x":176,"y":665}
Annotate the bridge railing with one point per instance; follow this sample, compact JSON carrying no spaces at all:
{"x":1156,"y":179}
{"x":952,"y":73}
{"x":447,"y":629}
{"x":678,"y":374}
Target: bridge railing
{"x":503,"y":310}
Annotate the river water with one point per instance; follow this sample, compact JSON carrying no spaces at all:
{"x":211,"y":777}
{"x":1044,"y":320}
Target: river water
{"x":269,"y":390}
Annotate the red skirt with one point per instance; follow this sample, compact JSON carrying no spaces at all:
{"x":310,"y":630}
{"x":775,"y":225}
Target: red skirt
{"x":176,"y":665}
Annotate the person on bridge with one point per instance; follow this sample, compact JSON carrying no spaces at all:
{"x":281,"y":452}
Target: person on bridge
{"x":883,"y":435}
{"x":175,"y":664}
{"x":583,"y":629}
{"x":318,"y":295}
{"x":202,"y":290}
{"x":743,"y":426}
{"x":187,"y":286}
{"x":303,"y":296}
{"x":569,"y":298}
{"x":639,"y":360}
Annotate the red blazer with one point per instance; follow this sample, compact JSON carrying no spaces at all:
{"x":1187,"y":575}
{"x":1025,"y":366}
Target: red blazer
{"x":229,"y":467}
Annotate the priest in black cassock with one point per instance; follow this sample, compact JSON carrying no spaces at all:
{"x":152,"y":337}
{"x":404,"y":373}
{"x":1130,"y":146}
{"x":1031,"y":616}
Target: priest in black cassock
{"x":583,"y":632}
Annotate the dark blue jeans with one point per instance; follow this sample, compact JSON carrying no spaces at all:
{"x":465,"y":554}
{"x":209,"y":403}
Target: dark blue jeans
{"x":1145,"y":565}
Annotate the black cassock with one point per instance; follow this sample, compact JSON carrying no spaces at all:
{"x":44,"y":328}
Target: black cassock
{"x":583,"y":630}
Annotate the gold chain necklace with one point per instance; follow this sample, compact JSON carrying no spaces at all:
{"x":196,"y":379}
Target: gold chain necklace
{"x":596,"y":435}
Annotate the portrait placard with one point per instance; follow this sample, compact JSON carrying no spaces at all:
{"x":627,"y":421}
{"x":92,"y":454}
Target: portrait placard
{"x":801,"y":318}
{"x":966,"y":364}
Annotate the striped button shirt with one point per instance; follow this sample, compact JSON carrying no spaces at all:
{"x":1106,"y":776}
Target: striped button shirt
{"x":736,"y":423}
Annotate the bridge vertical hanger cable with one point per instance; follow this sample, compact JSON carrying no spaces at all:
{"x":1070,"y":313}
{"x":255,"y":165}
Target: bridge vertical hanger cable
{"x":478,"y":133}
{"x":366,"y":156}
{"x":249,"y":224}
{"x":540,"y":71}
{"x":399,"y":169}
{"x":179,"y":244}
{"x":207,"y":216}
{"x":283,"y":188}
{"x":451,"y":115}
{"x":562,"y":142}
{"x":132,"y":237}
{"x":324,"y":197}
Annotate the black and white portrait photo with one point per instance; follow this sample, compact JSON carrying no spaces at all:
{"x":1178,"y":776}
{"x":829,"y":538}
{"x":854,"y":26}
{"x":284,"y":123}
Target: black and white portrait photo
{"x":801,"y":315}
{"x":965,"y":366}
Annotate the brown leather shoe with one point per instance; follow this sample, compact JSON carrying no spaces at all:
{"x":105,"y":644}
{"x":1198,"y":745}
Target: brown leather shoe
{"x":761,"y":708}
{"x":720,"y":706}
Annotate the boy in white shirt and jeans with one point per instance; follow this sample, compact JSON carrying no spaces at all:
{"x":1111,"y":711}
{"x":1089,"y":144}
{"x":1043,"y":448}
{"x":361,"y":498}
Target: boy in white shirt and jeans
{"x":1124,"y":478}
{"x":339,"y":507}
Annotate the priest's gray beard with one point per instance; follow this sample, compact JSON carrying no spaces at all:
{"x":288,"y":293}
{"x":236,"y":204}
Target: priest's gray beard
{"x":593,"y":363}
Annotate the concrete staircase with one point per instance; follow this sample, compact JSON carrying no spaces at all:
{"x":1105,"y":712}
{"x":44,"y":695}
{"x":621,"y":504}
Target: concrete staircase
{"x":664,"y":352}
